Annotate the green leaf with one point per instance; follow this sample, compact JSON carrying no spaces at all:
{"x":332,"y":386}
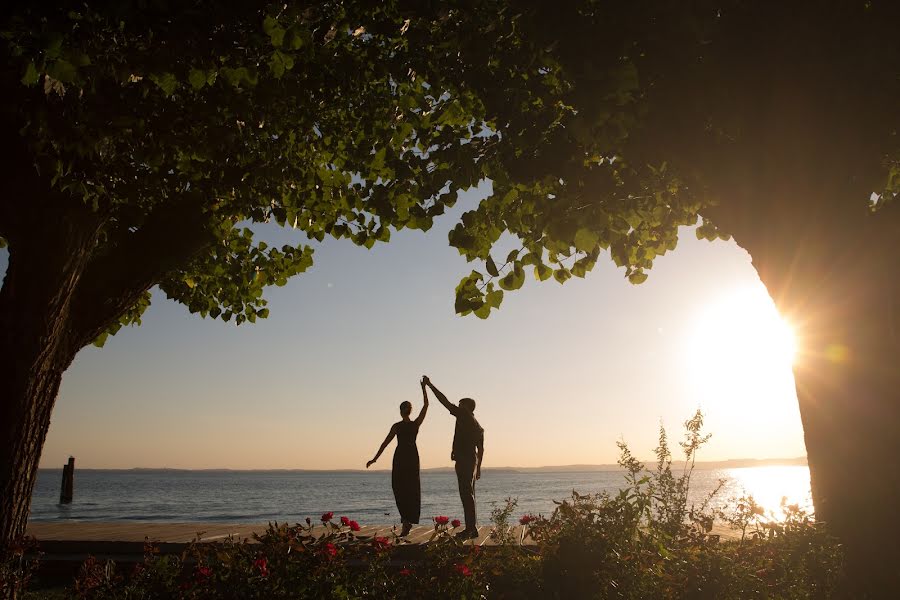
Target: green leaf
{"x":197,"y":78}
{"x":542,"y":272}
{"x":280,"y":62}
{"x":274,"y":31}
{"x":378,"y":159}
{"x":101,"y":339}
{"x":638,"y":276}
{"x":562,"y":275}
{"x":514,"y":279}
{"x":586,"y":240}
{"x":494,"y":298}
{"x":30,"y":77}
{"x":468,"y":296}
{"x":166,"y":82}
{"x":491,"y":267}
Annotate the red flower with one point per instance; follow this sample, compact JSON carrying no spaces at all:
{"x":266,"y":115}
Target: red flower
{"x":354,"y":526}
{"x":463,"y":570}
{"x":455,"y":523}
{"x":329,"y":550}
{"x":526,"y":519}
{"x":381,"y":543}
{"x":203,"y":573}
{"x":345,"y":521}
{"x":405,"y":572}
{"x":442,"y":520}
{"x":327,"y":517}
{"x":262,"y":565}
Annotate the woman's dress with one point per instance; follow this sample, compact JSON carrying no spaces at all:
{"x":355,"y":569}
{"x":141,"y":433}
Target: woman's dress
{"x":405,"y":473}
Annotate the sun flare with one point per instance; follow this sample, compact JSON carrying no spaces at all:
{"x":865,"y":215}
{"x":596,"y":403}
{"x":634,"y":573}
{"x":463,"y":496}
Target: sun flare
{"x":742,"y":328}
{"x":740,"y":352}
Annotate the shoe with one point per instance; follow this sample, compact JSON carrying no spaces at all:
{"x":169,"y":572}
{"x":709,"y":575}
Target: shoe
{"x":467,"y":534}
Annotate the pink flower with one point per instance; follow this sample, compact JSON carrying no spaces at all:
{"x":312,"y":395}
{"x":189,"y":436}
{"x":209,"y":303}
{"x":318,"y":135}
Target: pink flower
{"x":405,"y":572}
{"x":329,"y":550}
{"x":261,"y":565}
{"x":203,"y":573}
{"x":327,"y":517}
{"x":381,"y":543}
{"x":455,"y":523}
{"x":526,"y":519}
{"x":354,"y":526}
{"x":345,"y":521}
{"x":442,"y":520}
{"x":463,"y":570}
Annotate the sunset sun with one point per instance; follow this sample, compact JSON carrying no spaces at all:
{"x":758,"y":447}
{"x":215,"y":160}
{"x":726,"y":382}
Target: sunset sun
{"x":740,"y":348}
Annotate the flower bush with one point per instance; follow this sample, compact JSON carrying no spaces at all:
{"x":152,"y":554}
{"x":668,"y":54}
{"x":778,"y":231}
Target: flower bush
{"x":643,"y":542}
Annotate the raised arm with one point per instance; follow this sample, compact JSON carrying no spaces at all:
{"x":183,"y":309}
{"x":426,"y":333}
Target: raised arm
{"x":424,"y":410}
{"x":384,"y":444}
{"x":441,"y":397}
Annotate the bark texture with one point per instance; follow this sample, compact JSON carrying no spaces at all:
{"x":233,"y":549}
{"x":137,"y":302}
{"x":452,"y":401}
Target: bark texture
{"x":36,"y":348}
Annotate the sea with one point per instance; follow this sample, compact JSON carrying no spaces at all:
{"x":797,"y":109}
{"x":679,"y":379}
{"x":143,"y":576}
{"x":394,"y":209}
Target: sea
{"x":292,"y":496}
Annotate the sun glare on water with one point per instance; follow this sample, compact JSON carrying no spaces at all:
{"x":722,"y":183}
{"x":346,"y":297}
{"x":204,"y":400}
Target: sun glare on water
{"x":740,"y":352}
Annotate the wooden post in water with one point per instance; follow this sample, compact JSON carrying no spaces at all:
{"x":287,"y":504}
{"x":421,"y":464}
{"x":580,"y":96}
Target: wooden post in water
{"x":68,"y":482}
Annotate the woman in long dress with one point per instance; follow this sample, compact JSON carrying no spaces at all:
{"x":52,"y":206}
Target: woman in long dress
{"x":405,"y":473}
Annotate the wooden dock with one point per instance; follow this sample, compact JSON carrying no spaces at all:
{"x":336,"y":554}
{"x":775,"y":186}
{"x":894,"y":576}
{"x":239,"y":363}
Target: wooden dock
{"x":89,"y":533}
{"x":64,"y":545}
{"x":132,"y":532}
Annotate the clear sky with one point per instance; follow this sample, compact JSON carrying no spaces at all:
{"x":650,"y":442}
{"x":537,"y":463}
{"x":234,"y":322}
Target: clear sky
{"x":559,"y":373}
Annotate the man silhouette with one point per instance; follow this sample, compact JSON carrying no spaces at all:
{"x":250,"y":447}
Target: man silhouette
{"x":468,"y":452}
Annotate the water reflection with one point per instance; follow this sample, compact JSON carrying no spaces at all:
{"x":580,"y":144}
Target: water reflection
{"x":768,"y":485}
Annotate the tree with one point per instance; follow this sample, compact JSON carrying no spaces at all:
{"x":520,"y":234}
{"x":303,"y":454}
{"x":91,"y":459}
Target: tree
{"x":778,"y":124}
{"x":604,"y":127}
{"x":140,"y":141}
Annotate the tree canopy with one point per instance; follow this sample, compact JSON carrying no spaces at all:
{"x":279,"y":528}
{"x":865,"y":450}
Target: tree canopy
{"x":179,"y":124}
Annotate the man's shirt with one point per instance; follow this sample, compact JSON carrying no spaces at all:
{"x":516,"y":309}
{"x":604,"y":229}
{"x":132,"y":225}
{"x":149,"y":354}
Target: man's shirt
{"x":467,"y":436}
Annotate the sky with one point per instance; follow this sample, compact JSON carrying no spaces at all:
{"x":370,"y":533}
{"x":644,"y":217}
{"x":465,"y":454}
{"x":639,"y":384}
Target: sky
{"x":560,"y":373}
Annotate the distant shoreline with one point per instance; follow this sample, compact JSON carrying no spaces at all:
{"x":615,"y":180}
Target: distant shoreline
{"x":578,"y":468}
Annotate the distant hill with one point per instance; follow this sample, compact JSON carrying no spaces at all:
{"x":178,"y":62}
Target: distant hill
{"x":735,"y":463}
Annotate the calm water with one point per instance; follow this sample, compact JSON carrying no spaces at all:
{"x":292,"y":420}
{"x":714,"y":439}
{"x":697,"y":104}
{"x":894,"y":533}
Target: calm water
{"x":255,"y":496}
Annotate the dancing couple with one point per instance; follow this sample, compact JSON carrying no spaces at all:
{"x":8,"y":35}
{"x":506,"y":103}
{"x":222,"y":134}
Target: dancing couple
{"x":468,"y":451}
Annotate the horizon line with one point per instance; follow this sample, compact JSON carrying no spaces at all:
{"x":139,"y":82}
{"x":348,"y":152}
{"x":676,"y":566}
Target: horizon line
{"x":791,"y":461}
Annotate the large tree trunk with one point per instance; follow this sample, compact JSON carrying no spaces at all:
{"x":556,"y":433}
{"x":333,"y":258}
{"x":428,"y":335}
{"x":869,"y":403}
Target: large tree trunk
{"x":849,"y":394}
{"x":836,"y":279}
{"x":37,"y":346}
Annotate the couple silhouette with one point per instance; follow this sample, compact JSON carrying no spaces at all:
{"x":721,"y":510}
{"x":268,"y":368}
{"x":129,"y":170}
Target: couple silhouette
{"x":467,"y":453}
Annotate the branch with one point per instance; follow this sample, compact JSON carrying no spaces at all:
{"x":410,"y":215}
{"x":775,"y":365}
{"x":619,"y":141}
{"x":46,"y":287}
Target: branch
{"x":113,"y":282}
